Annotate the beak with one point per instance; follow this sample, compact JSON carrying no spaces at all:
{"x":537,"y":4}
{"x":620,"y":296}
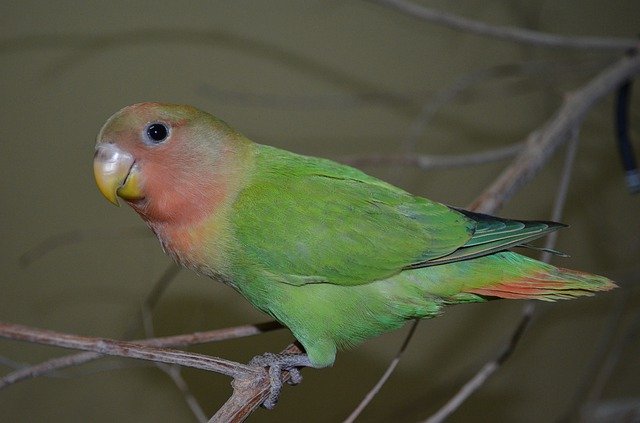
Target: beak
{"x":116,"y":173}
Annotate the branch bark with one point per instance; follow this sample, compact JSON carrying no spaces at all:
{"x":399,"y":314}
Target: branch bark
{"x":506,"y":33}
{"x":542,"y":143}
{"x":126,"y":349}
{"x":169,"y":341}
{"x":248,"y":394}
{"x":431,"y":162}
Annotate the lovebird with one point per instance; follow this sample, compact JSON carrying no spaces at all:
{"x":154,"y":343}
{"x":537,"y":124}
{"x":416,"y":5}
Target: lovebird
{"x":335,"y":255}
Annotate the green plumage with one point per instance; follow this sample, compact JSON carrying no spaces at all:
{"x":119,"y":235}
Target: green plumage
{"x":332,"y":253}
{"x":339,"y":256}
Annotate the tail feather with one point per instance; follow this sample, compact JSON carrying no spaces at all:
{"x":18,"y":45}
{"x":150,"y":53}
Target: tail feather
{"x":545,"y":283}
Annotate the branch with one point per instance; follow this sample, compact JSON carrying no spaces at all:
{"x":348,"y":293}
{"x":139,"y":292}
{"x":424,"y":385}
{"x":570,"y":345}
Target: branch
{"x":431,"y":162}
{"x":485,"y":373}
{"x":126,"y":349}
{"x":542,"y":143}
{"x":169,"y":341}
{"x":507,"y":33}
{"x":73,"y":237}
{"x":385,"y":376}
{"x":248,"y":394}
{"x":173,"y":371}
{"x":86,"y":46}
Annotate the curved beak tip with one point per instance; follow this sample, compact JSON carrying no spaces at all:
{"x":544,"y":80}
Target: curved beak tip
{"x":111,"y":167}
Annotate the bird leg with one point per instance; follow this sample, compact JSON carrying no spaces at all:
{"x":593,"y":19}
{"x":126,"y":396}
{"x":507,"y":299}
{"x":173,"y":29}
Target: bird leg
{"x":278,"y":363}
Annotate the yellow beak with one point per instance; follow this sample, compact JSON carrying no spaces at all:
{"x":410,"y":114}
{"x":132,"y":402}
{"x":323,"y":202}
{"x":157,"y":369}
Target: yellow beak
{"x":116,"y":173}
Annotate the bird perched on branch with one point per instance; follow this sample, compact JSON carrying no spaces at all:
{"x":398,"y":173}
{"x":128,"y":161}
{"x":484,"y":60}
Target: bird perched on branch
{"x":335,"y":255}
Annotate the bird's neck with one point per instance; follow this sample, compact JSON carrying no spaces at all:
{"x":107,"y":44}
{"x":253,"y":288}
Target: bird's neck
{"x":193,"y":224}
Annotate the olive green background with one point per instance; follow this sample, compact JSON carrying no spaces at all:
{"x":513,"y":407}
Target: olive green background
{"x":327,"y":78}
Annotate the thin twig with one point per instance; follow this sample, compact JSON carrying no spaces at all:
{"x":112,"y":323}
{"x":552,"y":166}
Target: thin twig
{"x":168,"y":341}
{"x":431,"y":162}
{"x":159,"y":288}
{"x":613,"y":357}
{"x":125,"y":349}
{"x":506,"y":33}
{"x":73,"y":237}
{"x":292,"y":102}
{"x":172,"y":370}
{"x":88,"y":45}
{"x":385,"y":376}
{"x":487,"y":370}
{"x":604,"y":346}
{"x":446,"y":95}
{"x":175,"y":373}
{"x":561,"y":194}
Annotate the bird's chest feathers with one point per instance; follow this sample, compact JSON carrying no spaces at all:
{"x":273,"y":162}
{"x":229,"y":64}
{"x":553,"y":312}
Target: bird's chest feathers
{"x":203,"y":246}
{"x":192,"y":226}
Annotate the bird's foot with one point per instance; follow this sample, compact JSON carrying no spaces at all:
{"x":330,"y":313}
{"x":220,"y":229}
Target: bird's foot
{"x":278,"y":363}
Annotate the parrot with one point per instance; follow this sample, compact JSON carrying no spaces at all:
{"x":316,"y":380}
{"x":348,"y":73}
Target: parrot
{"x":335,"y":255}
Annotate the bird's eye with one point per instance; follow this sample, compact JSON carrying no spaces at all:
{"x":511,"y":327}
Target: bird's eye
{"x":157,"y":132}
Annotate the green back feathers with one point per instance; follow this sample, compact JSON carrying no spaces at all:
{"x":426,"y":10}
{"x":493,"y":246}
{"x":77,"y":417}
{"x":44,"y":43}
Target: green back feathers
{"x":309,"y":220}
{"x":313,"y":218}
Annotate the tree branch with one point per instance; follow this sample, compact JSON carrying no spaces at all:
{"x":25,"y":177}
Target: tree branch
{"x":542,"y":143}
{"x":168,"y":341}
{"x":248,"y":394}
{"x":507,"y":33}
{"x":385,"y":376}
{"x":487,"y":370}
{"x":431,"y":162}
{"x":126,"y":349}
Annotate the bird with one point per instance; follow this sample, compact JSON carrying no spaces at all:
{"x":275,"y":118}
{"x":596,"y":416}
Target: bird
{"x":335,"y":255}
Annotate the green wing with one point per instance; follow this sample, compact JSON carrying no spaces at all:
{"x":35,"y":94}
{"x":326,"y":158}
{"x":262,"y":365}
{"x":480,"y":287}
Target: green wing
{"x":493,"y":234}
{"x":307,"y":220}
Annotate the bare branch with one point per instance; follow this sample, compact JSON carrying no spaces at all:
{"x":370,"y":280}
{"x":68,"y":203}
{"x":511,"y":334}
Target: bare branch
{"x":86,"y":46}
{"x":248,"y":394}
{"x":73,"y":237}
{"x":444,"y":96}
{"x":172,"y":370}
{"x":431,"y":162}
{"x":385,"y":376}
{"x":175,"y":374}
{"x":561,"y":194}
{"x":507,"y":33}
{"x":169,"y":341}
{"x":125,"y":349}
{"x":487,"y":370}
{"x":612,"y":358}
{"x":542,"y":143}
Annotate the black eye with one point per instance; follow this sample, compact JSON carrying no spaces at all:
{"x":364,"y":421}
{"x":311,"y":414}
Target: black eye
{"x":157,"y":132}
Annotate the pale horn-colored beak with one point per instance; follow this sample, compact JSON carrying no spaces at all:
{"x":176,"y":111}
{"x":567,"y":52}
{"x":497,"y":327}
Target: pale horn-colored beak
{"x":116,"y":173}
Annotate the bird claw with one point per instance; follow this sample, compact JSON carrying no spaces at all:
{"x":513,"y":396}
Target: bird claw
{"x":278,"y":363}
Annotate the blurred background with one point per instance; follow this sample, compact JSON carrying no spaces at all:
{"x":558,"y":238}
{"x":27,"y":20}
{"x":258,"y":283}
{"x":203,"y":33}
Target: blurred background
{"x":328,"y":78}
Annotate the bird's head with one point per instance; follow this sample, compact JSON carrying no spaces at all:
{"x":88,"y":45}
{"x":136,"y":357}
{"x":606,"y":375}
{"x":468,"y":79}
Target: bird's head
{"x":171,"y":163}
